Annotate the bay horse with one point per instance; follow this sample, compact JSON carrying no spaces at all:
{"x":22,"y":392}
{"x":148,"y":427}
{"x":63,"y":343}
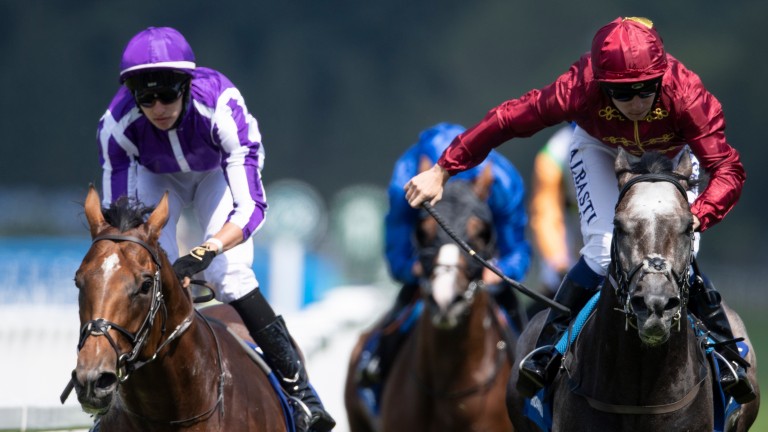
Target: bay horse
{"x":451,"y":372}
{"x":638,"y":363}
{"x":147,"y":359}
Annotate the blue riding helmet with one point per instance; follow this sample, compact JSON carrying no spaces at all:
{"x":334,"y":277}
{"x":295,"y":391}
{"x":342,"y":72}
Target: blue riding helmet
{"x":506,"y":201}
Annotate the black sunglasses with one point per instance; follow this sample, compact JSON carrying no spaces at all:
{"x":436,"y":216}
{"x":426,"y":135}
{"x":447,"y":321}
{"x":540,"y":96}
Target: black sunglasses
{"x":165,"y":95}
{"x":627,"y":93}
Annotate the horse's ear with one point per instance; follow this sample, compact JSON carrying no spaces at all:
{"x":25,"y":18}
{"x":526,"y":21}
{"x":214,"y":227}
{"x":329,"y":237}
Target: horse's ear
{"x":424,"y":163}
{"x":623,"y":166}
{"x":483,"y":182}
{"x":93,"y":212}
{"x":684,"y":167}
{"x":158,"y":218}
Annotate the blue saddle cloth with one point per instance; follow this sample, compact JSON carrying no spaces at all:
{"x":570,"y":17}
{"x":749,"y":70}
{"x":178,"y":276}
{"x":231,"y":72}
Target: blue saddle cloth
{"x":539,"y":408}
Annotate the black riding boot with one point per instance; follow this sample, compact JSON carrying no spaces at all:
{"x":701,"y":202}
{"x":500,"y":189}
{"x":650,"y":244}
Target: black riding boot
{"x":270,"y":333}
{"x":390,"y":339}
{"x":706,"y":304}
{"x":539,"y":367}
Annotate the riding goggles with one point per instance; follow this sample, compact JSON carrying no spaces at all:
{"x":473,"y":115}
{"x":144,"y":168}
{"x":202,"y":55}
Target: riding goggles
{"x":166,"y":95}
{"x":627,"y":92}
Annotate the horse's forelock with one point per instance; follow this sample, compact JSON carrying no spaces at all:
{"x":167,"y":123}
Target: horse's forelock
{"x":459,"y":197}
{"x":126,"y":214}
{"x":657,"y":163}
{"x":652,"y":163}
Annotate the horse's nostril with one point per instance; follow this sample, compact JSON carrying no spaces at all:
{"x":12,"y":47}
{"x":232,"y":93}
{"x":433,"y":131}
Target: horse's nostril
{"x":106,"y":380}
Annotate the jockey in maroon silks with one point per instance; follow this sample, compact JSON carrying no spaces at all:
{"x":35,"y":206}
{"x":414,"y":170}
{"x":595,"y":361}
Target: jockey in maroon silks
{"x":629,"y":93}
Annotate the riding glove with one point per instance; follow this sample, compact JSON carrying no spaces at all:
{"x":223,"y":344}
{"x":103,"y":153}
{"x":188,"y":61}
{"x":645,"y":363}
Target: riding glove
{"x":198,"y":259}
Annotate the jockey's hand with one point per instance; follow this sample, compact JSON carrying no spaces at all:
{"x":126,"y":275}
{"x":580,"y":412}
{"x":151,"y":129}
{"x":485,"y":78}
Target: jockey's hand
{"x":696,"y":223}
{"x":426,"y":186}
{"x":198,"y":259}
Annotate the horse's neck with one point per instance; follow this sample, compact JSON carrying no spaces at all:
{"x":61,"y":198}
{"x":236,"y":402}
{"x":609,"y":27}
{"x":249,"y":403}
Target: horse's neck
{"x":450,"y":351}
{"x":160,"y":388}
{"x":611,"y":359}
{"x":177,"y":299}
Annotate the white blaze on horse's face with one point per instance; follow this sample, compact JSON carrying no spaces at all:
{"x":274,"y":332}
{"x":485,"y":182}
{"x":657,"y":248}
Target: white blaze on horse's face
{"x":446,"y":273}
{"x":110,"y":265}
{"x":649,"y":202}
{"x":653,"y":218}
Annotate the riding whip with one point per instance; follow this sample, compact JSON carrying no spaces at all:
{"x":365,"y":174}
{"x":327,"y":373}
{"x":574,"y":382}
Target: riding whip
{"x":513,"y":283}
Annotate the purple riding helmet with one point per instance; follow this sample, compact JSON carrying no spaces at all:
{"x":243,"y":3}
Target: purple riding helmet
{"x":155,"y":49}
{"x":157,"y":60}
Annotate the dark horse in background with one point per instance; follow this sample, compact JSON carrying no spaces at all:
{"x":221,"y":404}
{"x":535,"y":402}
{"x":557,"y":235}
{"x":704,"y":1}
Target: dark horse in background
{"x":451,"y":372}
{"x":147,"y":360}
{"x":638,"y":363}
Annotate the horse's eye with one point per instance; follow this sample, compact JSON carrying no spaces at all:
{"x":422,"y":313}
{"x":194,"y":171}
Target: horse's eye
{"x":146,"y":285}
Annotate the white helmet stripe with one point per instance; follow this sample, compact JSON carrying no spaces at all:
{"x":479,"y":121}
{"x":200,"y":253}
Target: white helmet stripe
{"x":161,"y":65}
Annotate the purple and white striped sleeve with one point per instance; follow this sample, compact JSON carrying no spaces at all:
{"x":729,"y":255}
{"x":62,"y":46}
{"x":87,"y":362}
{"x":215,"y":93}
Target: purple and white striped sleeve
{"x":117,"y":155}
{"x":238,"y":134}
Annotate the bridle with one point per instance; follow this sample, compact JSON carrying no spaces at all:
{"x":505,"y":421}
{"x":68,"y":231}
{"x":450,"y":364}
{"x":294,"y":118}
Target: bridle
{"x":128,"y":362}
{"x":623,"y":281}
{"x":468,"y":298}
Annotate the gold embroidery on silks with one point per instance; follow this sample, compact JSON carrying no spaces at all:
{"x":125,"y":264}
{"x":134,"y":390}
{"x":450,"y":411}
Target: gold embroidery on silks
{"x":629,"y":144}
{"x":610,"y":113}
{"x":656,"y":114}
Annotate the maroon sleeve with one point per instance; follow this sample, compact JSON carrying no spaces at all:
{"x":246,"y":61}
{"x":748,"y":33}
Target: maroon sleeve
{"x":703,"y":127}
{"x":522,"y":117}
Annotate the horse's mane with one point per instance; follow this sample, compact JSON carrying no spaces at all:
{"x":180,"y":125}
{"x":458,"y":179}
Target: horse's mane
{"x":126,"y":213}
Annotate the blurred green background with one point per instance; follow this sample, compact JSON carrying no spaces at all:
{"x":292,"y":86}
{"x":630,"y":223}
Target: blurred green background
{"x":341,"y":88}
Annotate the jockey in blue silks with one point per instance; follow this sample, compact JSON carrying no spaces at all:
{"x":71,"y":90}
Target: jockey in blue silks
{"x":507,"y":203}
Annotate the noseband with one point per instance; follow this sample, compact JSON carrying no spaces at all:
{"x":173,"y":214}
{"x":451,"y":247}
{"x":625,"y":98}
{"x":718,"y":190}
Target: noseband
{"x":621,"y":279}
{"x":128,"y":362}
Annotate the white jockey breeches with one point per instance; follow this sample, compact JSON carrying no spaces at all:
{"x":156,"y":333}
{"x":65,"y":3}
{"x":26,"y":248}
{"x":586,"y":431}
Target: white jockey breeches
{"x":592,"y":167}
{"x":208,"y":194}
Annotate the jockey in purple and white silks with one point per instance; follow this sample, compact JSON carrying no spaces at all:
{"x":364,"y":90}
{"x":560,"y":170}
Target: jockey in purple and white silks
{"x":177,"y":128}
{"x":211,"y":159}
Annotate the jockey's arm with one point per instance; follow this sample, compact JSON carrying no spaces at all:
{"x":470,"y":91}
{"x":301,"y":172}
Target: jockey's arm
{"x":230,"y":235}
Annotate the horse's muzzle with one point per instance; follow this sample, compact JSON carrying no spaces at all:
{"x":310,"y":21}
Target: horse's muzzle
{"x":95,"y":390}
{"x":656,"y":304}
